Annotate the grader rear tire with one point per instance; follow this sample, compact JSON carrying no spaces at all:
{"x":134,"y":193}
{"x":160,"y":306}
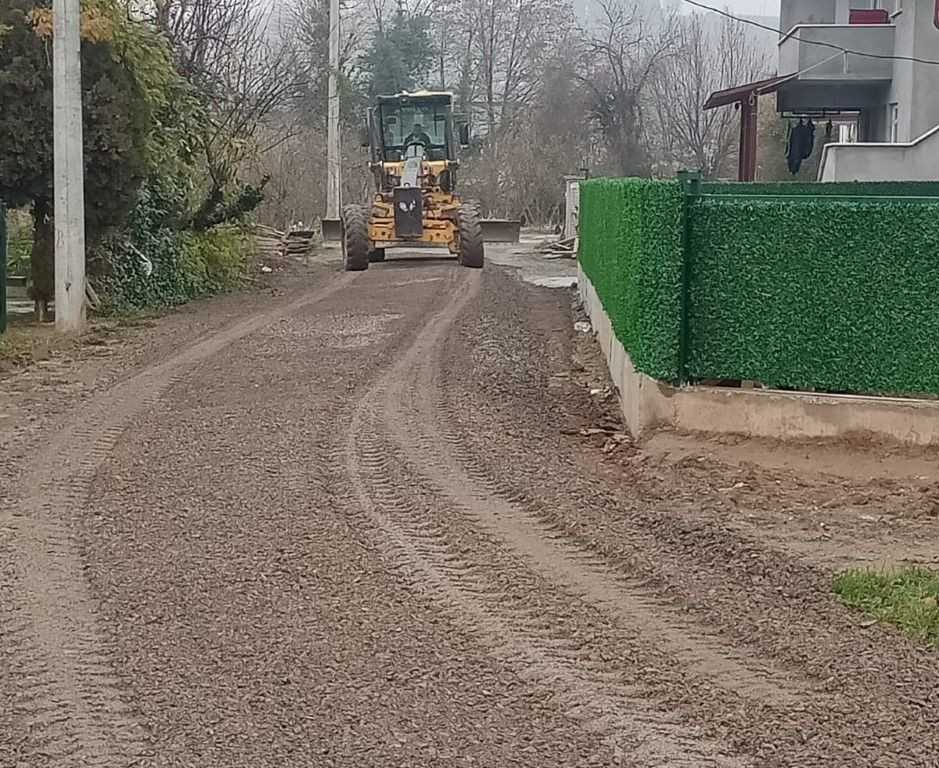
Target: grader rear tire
{"x":472,"y":250}
{"x":377,"y":255}
{"x":355,"y":240}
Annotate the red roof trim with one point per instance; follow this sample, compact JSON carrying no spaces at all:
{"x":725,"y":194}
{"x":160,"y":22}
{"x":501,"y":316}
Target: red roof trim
{"x":742,"y":92}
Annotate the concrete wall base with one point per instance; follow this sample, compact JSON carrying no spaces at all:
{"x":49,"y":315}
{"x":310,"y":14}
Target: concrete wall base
{"x":647,"y":403}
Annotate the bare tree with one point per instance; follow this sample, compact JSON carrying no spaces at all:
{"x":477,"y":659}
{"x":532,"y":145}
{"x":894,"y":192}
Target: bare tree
{"x":309,"y":22}
{"x":624,"y":52}
{"x":243,"y":72}
{"x":521,"y":174}
{"x":708,"y":57}
{"x":502,"y":45}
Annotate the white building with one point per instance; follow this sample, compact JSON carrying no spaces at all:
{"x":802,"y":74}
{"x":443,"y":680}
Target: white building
{"x":875,"y":60}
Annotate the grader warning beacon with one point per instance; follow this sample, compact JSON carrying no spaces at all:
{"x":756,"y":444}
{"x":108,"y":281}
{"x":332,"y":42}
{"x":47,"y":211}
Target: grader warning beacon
{"x":414,"y":141}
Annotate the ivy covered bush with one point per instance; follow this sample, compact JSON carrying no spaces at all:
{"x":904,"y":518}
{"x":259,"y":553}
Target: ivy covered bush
{"x":157,"y":262}
{"x":19,"y":241}
{"x":163,"y":221}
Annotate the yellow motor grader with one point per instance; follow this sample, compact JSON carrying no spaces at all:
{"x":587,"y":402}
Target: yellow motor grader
{"x":414,"y":141}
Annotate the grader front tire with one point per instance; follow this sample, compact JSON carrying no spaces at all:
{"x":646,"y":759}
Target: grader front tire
{"x":355,"y":240}
{"x":472,"y":250}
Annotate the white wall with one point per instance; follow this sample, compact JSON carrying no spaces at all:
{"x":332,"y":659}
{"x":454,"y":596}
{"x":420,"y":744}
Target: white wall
{"x":794,"y":12}
{"x":914,"y":161}
{"x":925,"y":112}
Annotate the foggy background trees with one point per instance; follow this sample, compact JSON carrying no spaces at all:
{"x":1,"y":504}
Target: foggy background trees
{"x":227,"y":104}
{"x":553,"y":87}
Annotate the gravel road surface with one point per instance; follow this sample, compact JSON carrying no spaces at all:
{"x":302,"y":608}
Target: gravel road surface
{"x":364,"y":521}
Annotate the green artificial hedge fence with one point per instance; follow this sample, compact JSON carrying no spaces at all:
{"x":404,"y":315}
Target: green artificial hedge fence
{"x":631,"y":235}
{"x":826,"y":189}
{"x":823,"y":294}
{"x":820,"y":293}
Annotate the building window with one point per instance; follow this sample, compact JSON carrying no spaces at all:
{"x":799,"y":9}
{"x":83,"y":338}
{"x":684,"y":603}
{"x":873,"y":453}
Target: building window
{"x":894,"y":122}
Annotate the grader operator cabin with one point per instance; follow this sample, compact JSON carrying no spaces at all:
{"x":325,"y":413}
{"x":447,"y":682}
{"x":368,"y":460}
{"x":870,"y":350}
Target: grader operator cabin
{"x":414,"y":141}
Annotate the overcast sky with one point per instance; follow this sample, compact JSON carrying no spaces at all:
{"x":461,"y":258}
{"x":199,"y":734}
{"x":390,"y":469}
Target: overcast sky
{"x":754,"y":7}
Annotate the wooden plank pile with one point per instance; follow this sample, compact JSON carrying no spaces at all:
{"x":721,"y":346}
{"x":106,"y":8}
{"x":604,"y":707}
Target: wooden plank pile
{"x":274,"y":245}
{"x":298,"y":243}
{"x":559,"y":249}
{"x":269,"y":242}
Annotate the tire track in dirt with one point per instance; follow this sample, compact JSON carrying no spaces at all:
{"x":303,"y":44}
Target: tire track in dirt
{"x":70,"y":708}
{"x":583,"y":684}
{"x":875,"y":694}
{"x":428,"y":437}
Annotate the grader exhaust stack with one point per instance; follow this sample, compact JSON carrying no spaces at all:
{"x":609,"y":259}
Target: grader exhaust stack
{"x":414,"y":141}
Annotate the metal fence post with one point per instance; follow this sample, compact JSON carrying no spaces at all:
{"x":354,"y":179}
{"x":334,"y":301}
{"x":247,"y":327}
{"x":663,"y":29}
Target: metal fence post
{"x":690,"y":187}
{"x":3,"y":268}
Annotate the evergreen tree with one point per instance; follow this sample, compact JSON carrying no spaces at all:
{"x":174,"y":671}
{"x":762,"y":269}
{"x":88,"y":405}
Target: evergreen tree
{"x":116,"y":122}
{"x":401,"y":55}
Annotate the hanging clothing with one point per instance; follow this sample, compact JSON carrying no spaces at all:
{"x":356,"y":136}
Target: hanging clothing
{"x":793,"y":148}
{"x":808,"y":139}
{"x":800,"y":144}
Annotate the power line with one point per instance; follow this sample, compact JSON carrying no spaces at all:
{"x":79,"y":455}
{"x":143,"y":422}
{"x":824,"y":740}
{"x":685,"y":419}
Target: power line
{"x":833,"y":46}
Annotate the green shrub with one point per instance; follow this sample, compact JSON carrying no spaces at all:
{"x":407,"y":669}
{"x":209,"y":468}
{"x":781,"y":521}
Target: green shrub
{"x":221,"y":256}
{"x":631,"y":249}
{"x":153,"y":263}
{"x":19,"y":242}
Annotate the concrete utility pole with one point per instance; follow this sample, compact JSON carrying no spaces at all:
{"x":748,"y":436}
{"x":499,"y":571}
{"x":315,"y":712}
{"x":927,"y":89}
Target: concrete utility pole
{"x":69,"y":168}
{"x":334,"y":148}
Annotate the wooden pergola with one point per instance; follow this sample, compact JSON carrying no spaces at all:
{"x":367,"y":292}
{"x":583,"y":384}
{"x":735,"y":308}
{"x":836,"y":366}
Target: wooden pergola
{"x":747,"y":97}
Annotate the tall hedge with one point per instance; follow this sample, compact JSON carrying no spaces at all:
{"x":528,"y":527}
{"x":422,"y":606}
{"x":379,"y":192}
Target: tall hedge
{"x":631,"y":249}
{"x":826,"y":294}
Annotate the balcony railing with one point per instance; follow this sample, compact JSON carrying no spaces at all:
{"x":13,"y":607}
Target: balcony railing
{"x":870,"y":47}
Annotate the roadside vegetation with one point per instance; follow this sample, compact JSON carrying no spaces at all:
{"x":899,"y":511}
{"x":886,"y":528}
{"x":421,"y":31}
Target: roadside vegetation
{"x":205,"y":116}
{"x":170,"y":183}
{"x":908,"y":598}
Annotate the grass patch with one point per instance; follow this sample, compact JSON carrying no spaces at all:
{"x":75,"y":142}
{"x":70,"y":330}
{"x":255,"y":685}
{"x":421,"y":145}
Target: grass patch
{"x":908,"y":598}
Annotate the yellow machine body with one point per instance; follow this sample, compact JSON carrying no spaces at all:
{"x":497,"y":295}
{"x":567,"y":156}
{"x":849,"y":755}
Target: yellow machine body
{"x":414,"y":141}
{"x":439,"y":210}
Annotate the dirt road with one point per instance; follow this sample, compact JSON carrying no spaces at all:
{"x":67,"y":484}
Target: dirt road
{"x":358,"y":521}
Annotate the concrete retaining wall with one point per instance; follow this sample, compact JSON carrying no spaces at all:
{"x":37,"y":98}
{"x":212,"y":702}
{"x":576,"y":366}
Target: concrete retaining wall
{"x":647,"y":403}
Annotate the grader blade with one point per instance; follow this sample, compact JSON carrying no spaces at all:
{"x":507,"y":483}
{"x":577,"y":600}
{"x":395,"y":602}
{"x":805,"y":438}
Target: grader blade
{"x":501,"y":230}
{"x":332,"y":230}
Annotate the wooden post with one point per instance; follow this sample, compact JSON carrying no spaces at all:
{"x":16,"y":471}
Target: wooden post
{"x":746,"y":164}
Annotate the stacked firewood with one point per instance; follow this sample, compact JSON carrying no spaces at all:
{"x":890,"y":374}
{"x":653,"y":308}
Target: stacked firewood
{"x":299,"y":243}
{"x":270,"y":242}
{"x":559,"y":249}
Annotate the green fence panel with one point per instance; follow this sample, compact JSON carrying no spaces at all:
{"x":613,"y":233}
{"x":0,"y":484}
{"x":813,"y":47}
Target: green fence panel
{"x":631,"y":243}
{"x":826,"y":294}
{"x":825,"y":189}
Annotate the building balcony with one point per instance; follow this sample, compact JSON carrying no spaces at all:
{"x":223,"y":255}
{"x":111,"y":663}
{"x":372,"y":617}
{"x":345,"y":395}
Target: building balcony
{"x":799,"y":53}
